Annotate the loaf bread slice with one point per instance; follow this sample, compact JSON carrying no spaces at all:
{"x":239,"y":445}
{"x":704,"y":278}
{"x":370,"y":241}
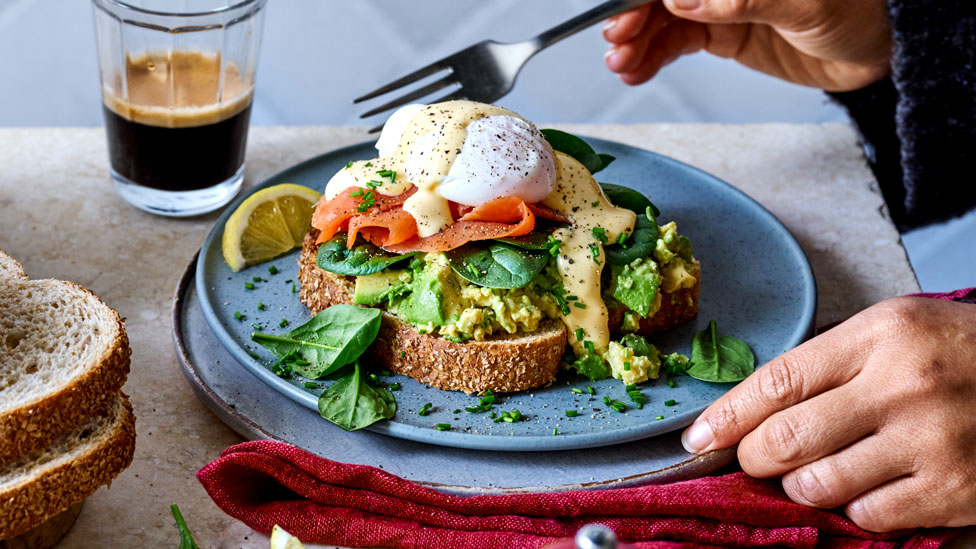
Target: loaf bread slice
{"x":64,"y":354}
{"x":10,"y":268}
{"x":501,"y":363}
{"x":52,"y":480}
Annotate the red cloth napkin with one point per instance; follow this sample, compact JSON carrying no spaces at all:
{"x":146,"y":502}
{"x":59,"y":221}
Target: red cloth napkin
{"x":264,"y":483}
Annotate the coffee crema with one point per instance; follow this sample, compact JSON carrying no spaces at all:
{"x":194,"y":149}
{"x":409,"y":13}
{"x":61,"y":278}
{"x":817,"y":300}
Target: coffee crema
{"x":178,"y":121}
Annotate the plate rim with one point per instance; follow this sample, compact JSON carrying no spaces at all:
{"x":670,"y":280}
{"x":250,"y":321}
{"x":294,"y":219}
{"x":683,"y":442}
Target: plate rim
{"x":481,"y":441}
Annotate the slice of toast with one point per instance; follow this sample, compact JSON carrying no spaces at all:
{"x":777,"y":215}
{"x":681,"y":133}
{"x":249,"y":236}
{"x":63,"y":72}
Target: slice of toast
{"x":49,"y":481}
{"x":64,"y":355}
{"x":10,"y":268}
{"x":501,"y":363}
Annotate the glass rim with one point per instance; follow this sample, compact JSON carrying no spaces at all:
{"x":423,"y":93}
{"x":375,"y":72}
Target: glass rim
{"x":125,"y":5}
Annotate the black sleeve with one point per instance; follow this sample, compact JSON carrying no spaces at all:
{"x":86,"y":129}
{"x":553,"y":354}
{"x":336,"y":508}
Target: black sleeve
{"x":919,"y":125}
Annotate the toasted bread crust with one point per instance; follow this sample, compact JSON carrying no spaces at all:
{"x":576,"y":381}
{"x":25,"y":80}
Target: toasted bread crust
{"x":36,"y":424}
{"x":504,"y":363}
{"x":55,"y":489}
{"x":10,"y":267}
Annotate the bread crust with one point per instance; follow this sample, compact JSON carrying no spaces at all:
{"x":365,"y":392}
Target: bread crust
{"x":55,"y":489}
{"x":10,"y":267}
{"x":36,"y":424}
{"x":504,"y":363}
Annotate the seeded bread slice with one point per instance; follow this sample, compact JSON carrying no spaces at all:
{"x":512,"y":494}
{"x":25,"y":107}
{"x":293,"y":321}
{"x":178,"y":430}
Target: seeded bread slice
{"x":10,"y":268}
{"x":49,"y":481}
{"x":63,"y":355}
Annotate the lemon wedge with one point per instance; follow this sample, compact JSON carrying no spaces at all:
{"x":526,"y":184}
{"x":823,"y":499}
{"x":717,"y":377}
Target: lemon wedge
{"x":269,"y":223}
{"x":280,"y":539}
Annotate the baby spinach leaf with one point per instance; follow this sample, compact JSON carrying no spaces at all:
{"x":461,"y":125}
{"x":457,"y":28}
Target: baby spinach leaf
{"x":330,"y":340}
{"x":578,"y":149}
{"x":496,"y":264}
{"x":186,"y":540}
{"x":644,"y":238}
{"x":720,"y":358}
{"x":363,"y":259}
{"x":352,"y":404}
{"x":538,"y":239}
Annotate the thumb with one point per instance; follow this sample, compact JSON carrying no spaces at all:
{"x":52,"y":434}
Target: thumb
{"x":771,"y":12}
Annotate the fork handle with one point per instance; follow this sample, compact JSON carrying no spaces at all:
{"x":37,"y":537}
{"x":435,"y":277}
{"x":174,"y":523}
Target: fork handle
{"x":584,"y":20}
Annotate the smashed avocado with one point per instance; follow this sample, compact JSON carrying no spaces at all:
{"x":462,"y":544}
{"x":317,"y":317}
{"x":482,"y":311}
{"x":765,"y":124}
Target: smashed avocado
{"x":636,"y":285}
{"x":434,"y":298}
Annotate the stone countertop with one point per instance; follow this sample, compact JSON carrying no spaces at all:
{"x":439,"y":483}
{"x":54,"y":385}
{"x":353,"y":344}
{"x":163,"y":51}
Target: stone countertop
{"x":61,"y":218}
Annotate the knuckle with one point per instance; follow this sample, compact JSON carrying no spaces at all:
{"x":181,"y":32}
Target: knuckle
{"x":779,"y":382}
{"x":817,"y":485}
{"x":867,"y":515}
{"x":725,"y":418}
{"x":781,"y":438}
{"x":733,"y":9}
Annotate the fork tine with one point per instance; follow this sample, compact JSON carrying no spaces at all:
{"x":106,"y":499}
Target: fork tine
{"x":434,"y":67}
{"x":410,"y":97}
{"x":376,"y":129}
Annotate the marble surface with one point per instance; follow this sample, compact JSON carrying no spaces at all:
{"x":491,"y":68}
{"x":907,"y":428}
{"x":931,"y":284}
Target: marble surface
{"x":61,"y":218}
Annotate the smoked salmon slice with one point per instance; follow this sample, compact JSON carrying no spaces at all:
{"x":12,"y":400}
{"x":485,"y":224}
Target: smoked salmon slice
{"x":383,"y":228}
{"x":332,"y":216}
{"x":481,"y":223}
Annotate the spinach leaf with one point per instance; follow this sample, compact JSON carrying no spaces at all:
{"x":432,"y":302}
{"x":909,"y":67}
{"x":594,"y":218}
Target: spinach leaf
{"x":496,"y":264}
{"x":592,"y":366}
{"x":186,"y":540}
{"x":352,"y":404}
{"x":363,"y":259}
{"x":644,"y":238}
{"x":330,"y":340}
{"x":720,"y":358}
{"x":578,"y":149}
{"x":538,"y":239}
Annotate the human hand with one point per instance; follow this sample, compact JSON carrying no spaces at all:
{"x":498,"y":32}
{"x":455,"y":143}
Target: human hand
{"x":877,"y":414}
{"x":836,"y":45}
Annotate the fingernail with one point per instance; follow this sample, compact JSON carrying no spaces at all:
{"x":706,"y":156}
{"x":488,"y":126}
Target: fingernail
{"x":686,"y":5}
{"x":609,"y":24}
{"x":610,"y":58}
{"x":697,"y":437}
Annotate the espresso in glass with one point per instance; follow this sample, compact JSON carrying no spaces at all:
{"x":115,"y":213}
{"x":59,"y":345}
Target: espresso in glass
{"x":183,"y":125}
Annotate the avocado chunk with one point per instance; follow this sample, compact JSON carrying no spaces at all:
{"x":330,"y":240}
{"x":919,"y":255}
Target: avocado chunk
{"x":433,"y":294}
{"x":636,"y":285}
{"x":384,"y":285}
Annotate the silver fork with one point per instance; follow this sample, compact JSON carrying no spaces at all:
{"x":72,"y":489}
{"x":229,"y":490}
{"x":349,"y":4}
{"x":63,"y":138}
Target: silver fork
{"x":487,"y":70}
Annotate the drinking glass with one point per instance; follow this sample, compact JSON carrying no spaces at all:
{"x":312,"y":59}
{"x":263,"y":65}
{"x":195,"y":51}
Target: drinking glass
{"x":177,"y":84}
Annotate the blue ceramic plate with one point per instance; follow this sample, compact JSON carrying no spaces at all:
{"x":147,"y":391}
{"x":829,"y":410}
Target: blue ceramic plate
{"x":756,"y":284}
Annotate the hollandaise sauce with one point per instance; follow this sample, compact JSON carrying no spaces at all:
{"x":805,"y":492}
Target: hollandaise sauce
{"x":581,"y":257}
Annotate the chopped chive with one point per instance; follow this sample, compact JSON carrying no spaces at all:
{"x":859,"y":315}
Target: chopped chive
{"x":650,"y":215}
{"x":606,"y":400}
{"x":670,"y":402}
{"x":257,"y":279}
{"x":293,"y":289}
{"x":576,"y":391}
{"x":588,"y":345}
{"x":238,"y":315}
{"x":374,"y":378}
{"x":580,"y":334}
{"x":310,"y":385}
{"x":443,"y":427}
{"x":425,"y":409}
{"x":261,"y":306}
{"x":385,"y":373}
{"x":579,"y":305}
{"x":671,"y":383}
{"x":595,"y":203}
{"x":283,"y":323}
{"x":369,"y":164}
{"x":629,"y":388}
{"x":571,"y":413}
{"x":257,"y":327}
{"x":372,"y":184}
{"x":555,"y":432}
{"x":248,"y":286}
{"x":403,"y":354}
{"x":659,"y":418}
{"x":254,"y":355}
{"x":356,"y":193}
{"x":273,"y":270}
{"x":456,"y":411}
{"x":416,"y":262}
{"x":591,"y":390}
{"x":618,"y":406}
{"x":473,"y":270}
{"x":394,"y":386}
{"x":626,"y":366}
{"x":600,"y":234}
{"x":572,"y":298}
{"x":288,"y":281}
{"x":595,"y":250}
{"x":621,"y":238}
{"x":349,"y":164}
